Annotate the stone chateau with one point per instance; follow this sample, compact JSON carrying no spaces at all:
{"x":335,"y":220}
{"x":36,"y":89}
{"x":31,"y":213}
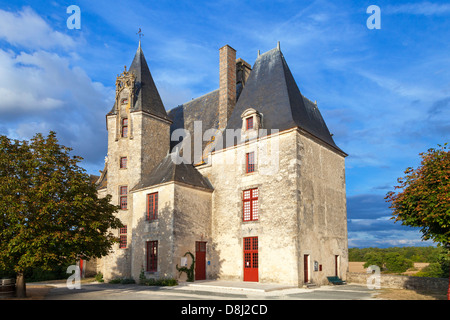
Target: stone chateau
{"x":247,"y":178}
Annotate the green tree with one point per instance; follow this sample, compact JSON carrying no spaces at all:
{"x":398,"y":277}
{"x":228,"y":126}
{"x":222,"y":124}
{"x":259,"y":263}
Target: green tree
{"x":395,"y":262}
{"x":423,"y":197}
{"x":49,"y":209}
{"x":374,"y":258}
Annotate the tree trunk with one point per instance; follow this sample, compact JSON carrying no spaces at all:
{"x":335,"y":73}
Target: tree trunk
{"x":21,"y":290}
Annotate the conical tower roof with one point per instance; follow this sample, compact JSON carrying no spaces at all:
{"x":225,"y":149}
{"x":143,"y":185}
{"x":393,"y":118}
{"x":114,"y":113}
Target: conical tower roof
{"x":272,"y":91}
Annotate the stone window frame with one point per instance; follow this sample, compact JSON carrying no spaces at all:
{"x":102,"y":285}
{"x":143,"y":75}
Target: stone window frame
{"x":250,"y":133}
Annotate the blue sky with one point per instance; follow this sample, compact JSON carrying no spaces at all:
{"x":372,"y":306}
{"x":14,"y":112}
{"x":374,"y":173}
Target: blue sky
{"x":384,"y":93}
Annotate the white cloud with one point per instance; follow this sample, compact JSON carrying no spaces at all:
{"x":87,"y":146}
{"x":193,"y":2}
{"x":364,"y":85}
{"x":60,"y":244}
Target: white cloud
{"x":42,"y":90}
{"x":27,"y":29}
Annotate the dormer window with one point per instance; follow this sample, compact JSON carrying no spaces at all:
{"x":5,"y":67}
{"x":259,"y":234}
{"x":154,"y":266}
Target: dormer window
{"x":251,"y":123}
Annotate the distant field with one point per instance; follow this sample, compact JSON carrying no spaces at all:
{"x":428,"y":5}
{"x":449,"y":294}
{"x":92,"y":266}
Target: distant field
{"x":359,"y":267}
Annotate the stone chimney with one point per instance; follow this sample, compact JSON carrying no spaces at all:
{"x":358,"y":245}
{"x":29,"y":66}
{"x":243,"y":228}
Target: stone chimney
{"x":227,"y":88}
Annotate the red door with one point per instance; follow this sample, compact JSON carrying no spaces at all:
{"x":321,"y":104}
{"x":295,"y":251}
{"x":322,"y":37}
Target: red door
{"x":251,"y":259}
{"x":306,"y":268}
{"x":200,"y":260}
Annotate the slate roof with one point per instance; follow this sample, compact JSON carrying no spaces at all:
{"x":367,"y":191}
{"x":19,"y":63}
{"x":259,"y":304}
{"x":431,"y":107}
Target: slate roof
{"x":167,"y":171}
{"x":272,"y":91}
{"x":147,"y":97}
{"x":204,"y":109}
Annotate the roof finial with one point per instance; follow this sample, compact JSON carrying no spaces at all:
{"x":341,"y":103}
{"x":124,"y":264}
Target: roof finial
{"x":140,"y":36}
{"x":278,"y":46}
{"x":259,"y":53}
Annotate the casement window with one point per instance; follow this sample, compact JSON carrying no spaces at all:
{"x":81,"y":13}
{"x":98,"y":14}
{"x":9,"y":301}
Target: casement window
{"x":124,"y":127}
{"x":123,"y":237}
{"x":152,"y":256}
{"x":123,"y":162}
{"x":152,"y":206}
{"x":249,"y":123}
{"x":123,"y":197}
{"x":250,"y":205}
{"x":249,"y":162}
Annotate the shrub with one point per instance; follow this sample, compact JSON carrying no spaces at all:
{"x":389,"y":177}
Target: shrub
{"x":159,"y":282}
{"x":99,"y":277}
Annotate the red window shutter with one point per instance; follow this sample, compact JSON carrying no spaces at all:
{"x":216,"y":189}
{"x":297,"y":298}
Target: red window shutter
{"x":249,"y":123}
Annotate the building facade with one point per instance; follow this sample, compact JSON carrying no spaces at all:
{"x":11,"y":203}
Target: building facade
{"x":246,"y":178}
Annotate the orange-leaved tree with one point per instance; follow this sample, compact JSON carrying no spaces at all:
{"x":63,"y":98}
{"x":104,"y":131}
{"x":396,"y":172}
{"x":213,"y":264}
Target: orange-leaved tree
{"x":423,"y":197}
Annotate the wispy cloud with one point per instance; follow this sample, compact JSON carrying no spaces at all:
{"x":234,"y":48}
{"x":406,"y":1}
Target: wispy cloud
{"x":423,"y":8}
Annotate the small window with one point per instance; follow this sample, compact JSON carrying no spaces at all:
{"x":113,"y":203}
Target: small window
{"x":124,"y":101}
{"x":124,"y":128}
{"x":123,"y":192}
{"x":152,"y":206}
{"x":152,"y":256}
{"x":249,"y":123}
{"x":123,"y":237}
{"x":250,"y":205}
{"x":250,"y":162}
{"x":123,"y":162}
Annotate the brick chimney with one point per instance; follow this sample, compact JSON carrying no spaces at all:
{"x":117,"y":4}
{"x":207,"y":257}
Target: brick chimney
{"x":227,"y":88}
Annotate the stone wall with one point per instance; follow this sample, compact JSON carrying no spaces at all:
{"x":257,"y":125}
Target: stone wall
{"x":302,"y":208}
{"x":322,"y":213}
{"x":276,"y":227}
{"x":402,"y":282}
{"x":184,"y":217}
{"x":146,"y":145}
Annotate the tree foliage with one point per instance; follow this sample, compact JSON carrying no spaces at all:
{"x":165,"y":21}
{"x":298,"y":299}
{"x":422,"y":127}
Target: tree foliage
{"x":49,"y":209}
{"x":423,"y":197}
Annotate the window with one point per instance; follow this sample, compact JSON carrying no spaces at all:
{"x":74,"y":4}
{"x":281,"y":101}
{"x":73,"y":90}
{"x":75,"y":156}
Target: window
{"x":124,"y":128}
{"x":249,"y":123}
{"x":123,"y":162}
{"x":152,"y":256}
{"x":250,"y":205}
{"x":152,"y":206}
{"x":123,"y":197}
{"x":250,"y":162}
{"x":123,"y":237}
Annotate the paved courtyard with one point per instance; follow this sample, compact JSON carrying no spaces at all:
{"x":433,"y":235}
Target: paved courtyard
{"x":209,"y":290}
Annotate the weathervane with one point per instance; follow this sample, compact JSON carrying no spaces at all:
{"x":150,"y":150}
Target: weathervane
{"x":140,"y":34}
